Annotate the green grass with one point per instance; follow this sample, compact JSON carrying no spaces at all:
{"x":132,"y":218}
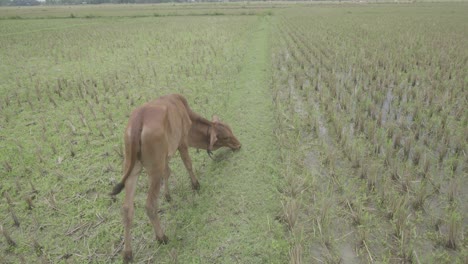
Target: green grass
{"x":240,"y":196}
{"x":351,"y":118}
{"x":62,"y":120}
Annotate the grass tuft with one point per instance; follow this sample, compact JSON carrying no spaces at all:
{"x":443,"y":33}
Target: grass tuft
{"x":454,"y":228}
{"x":7,"y":237}
{"x":295,"y":254}
{"x":290,"y":212}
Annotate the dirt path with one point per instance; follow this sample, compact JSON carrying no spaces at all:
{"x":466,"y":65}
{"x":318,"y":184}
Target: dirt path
{"x":233,"y":220}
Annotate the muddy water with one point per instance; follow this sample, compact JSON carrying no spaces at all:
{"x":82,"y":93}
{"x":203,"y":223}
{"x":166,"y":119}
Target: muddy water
{"x":386,"y":106}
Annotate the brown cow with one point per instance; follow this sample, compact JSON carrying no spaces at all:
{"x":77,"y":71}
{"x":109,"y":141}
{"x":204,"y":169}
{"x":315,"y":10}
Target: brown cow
{"x":153,"y":134}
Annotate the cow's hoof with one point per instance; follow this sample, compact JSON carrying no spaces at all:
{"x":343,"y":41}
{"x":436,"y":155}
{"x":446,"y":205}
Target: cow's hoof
{"x":164,"y":240}
{"x":196,"y":186}
{"x":127,"y":256}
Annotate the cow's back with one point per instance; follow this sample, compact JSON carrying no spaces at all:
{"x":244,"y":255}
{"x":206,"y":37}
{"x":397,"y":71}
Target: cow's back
{"x":173,"y":118}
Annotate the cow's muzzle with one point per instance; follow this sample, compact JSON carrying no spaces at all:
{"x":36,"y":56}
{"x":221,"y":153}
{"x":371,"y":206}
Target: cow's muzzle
{"x":236,"y":147}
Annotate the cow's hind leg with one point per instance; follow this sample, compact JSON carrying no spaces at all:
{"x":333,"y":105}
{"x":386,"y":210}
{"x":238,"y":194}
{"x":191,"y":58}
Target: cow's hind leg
{"x":167,"y":174}
{"x":128,"y":210}
{"x":155,"y":175}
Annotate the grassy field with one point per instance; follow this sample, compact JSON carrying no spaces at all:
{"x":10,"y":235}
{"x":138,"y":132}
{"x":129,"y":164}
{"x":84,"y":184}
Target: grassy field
{"x":140,"y":10}
{"x":375,"y":101}
{"x":352,"y":120}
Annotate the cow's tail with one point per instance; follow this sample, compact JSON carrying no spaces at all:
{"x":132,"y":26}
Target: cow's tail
{"x":131,"y":148}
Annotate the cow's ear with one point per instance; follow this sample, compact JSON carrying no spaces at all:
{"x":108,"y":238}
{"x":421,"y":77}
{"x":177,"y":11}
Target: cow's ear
{"x":213,"y":137}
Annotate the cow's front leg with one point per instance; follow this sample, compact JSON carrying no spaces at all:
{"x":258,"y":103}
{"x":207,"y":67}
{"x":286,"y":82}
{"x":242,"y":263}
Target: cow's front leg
{"x":184,"y":154}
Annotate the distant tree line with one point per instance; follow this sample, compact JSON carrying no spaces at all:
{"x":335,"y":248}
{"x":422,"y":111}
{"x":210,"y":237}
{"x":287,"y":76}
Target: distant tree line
{"x":79,"y":2}
{"x":75,"y":2}
{"x":19,"y":2}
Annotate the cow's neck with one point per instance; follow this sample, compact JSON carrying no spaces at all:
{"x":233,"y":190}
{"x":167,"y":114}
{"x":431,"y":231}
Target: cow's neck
{"x":199,"y":136}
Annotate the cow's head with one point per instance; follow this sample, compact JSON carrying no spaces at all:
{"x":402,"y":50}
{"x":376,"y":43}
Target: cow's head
{"x":221,"y":136}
